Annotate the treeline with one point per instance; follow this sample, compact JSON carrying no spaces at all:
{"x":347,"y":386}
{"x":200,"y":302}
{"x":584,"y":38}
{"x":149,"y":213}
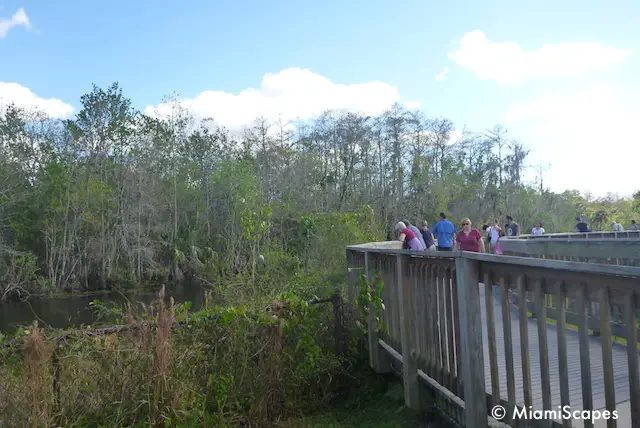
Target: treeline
{"x":114,"y":196}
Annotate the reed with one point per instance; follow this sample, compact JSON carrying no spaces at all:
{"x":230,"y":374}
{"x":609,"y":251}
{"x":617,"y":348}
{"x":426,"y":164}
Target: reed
{"x":222,"y":366}
{"x":36,"y":357}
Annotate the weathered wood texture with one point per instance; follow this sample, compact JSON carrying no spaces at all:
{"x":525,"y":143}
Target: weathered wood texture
{"x":405,"y":288}
{"x":526,"y":361}
{"x":577,"y":235}
{"x":471,"y":339}
{"x":605,"y":251}
{"x":594,"y":344}
{"x":625,"y":250}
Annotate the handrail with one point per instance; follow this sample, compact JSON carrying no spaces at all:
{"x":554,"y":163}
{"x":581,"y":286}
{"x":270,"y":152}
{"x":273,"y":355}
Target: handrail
{"x":435,"y":319}
{"x":581,"y":235}
{"x":624,"y":252}
{"x":560,"y":265}
{"x":563,"y":265}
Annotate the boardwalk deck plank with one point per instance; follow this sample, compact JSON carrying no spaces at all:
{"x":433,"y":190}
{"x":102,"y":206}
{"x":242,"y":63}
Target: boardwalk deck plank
{"x":619,"y":358}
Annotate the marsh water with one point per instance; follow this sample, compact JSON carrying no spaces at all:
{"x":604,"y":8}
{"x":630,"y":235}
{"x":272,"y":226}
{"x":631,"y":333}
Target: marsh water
{"x":74,"y":310}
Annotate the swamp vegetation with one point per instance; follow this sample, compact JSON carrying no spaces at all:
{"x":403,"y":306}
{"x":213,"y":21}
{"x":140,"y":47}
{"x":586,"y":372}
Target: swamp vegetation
{"x":253,"y":225}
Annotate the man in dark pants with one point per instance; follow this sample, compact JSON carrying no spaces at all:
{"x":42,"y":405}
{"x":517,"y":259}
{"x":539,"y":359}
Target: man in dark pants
{"x":445,"y":232}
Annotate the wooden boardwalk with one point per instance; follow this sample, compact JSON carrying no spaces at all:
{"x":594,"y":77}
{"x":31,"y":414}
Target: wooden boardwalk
{"x":620,"y":361}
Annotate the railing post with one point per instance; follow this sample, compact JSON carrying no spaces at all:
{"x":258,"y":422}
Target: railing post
{"x":378,"y":359}
{"x":351,"y":292}
{"x":351,"y":288}
{"x":407,"y":336}
{"x":339,"y":325}
{"x":472,"y":352}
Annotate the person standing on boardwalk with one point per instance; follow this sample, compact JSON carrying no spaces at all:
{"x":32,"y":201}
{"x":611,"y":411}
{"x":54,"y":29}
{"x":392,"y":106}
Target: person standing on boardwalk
{"x":581,"y":226}
{"x":416,"y":231}
{"x":445,"y":232}
{"x":409,"y":238}
{"x":634,"y":225}
{"x":494,"y":234}
{"x":427,"y":237}
{"x":469,"y":238}
{"x":497,"y":249}
{"x":538,"y":230}
{"x":617,"y":227}
{"x":513,"y":228}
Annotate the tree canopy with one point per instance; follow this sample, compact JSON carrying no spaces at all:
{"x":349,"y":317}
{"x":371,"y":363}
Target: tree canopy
{"x":116,"y":195}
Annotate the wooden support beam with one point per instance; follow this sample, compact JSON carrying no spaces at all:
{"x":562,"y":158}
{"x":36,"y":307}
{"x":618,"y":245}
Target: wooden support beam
{"x":467,"y":272}
{"x":378,"y":359}
{"x":631,"y":321}
{"x":410,"y":377}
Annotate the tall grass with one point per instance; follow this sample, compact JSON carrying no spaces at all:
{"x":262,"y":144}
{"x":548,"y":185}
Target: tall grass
{"x":36,"y":354}
{"x":221,"y":366}
{"x":259,"y":357}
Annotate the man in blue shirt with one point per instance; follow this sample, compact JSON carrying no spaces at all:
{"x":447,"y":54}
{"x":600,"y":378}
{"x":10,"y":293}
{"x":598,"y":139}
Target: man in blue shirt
{"x":444,"y":231}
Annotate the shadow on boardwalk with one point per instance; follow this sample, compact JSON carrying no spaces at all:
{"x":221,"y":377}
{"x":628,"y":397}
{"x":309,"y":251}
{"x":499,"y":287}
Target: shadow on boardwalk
{"x":620,"y":362}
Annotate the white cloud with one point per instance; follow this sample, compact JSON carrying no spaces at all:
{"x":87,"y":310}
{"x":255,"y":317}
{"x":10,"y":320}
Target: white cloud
{"x":456,"y":136}
{"x":19,"y":19}
{"x":588,"y":136}
{"x":292,"y":93}
{"x":440,"y":77}
{"x":25,"y":98}
{"x":508,"y":63}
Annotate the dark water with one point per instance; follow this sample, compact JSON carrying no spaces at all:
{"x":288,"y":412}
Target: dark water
{"x":63,"y":312}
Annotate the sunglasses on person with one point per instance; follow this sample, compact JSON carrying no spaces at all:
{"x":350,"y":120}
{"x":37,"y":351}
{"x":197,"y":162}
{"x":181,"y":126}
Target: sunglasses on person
{"x":465,"y":224}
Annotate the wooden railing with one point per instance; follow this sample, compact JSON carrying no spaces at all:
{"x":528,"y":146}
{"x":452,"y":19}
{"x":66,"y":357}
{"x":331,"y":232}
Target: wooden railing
{"x":601,"y":251}
{"x":627,"y":234}
{"x":605,"y":251}
{"x":465,"y":353}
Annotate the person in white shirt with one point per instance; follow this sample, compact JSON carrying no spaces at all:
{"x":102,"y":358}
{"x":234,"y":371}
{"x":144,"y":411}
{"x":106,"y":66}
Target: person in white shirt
{"x":538,"y":230}
{"x":617,"y":227}
{"x":494,"y":234}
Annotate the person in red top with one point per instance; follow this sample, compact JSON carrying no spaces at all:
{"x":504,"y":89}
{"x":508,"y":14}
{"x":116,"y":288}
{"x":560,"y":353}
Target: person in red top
{"x":408,"y":237}
{"x":469,"y":238}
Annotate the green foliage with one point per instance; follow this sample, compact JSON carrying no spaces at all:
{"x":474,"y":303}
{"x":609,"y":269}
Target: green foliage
{"x":21,"y":275}
{"x":323,"y":236}
{"x":112,"y":197}
{"x":379,"y":411}
{"x":115,"y":197}
{"x":635,"y":204}
{"x":107,"y":312}
{"x":255,"y":224}
{"x":370,"y":301}
{"x":226,"y":365}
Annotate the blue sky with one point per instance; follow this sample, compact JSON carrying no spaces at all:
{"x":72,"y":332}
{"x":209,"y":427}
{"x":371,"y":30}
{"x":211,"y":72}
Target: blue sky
{"x":559,"y":75}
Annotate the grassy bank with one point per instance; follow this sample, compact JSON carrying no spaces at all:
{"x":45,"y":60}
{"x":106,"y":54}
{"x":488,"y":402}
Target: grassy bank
{"x":381,"y":410}
{"x":218,"y":367}
{"x":255,"y":355}
{"x":252,"y":365}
